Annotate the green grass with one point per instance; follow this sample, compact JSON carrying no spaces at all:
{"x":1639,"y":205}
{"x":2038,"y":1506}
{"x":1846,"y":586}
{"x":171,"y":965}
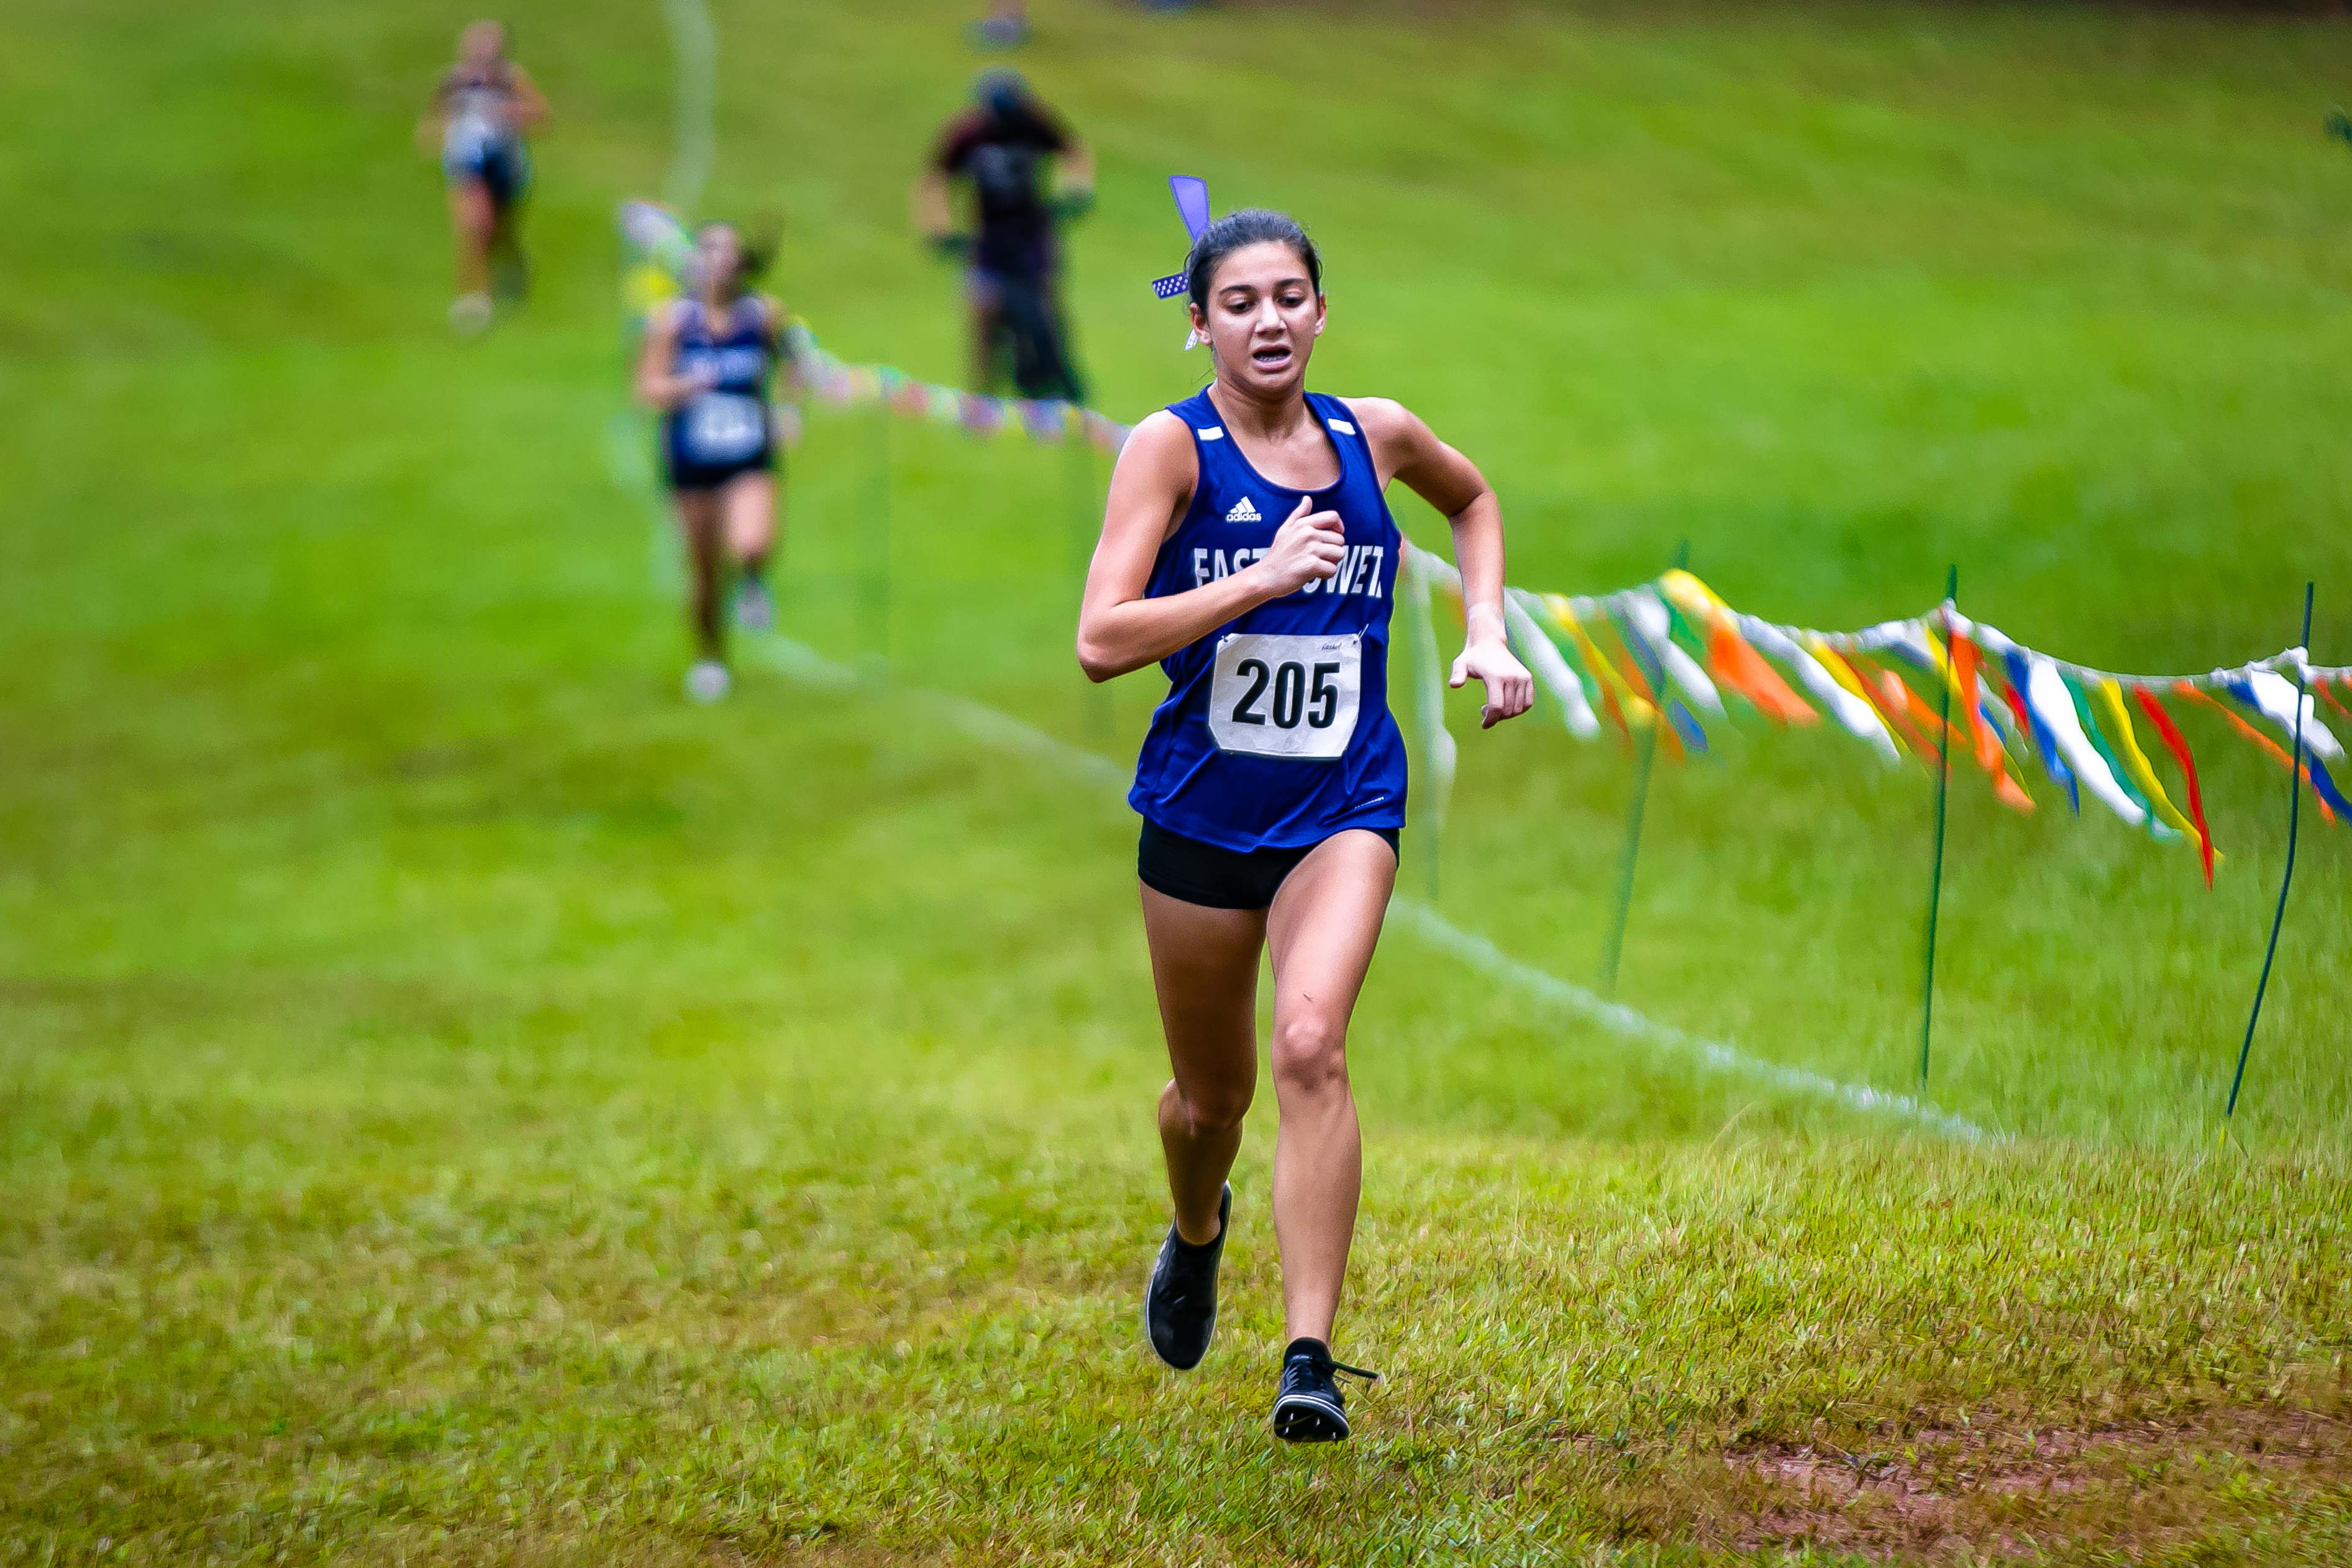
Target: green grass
{"x":457,"y":1104}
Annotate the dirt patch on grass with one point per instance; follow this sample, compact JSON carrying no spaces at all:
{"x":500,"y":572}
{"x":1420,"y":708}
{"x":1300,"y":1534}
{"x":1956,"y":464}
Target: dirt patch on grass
{"x":1999,"y":1490}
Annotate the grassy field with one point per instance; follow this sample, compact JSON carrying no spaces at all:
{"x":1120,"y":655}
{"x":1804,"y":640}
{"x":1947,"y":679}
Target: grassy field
{"x":460,"y":1104}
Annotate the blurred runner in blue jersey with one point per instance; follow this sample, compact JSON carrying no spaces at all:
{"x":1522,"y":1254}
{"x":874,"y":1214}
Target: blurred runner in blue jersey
{"x":706,"y":365}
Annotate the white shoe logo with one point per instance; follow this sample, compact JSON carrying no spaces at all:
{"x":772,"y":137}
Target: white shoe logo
{"x":1244,"y":512}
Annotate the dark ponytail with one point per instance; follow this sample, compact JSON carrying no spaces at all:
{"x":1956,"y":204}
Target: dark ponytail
{"x":761,"y":240}
{"x":1236,"y":230}
{"x":755,"y":244}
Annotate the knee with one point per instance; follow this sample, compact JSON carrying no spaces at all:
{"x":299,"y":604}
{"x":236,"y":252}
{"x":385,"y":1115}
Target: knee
{"x":1216,"y":1109}
{"x":1310,"y":1055}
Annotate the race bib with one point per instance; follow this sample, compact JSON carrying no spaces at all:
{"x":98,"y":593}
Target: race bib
{"x":1286,"y":696}
{"x":724,"y":427}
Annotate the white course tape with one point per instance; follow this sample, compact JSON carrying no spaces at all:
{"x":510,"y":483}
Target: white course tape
{"x":1007,"y":733}
{"x":693,"y":135}
{"x":987,"y":725}
{"x":1619,"y":1019}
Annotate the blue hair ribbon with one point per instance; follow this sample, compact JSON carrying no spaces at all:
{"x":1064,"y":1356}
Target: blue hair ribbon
{"x":1191,"y":196}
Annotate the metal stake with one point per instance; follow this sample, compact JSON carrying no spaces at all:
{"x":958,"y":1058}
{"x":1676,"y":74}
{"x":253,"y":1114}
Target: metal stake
{"x":2286,"y":877}
{"x":1943,"y":793}
{"x":876,"y":535}
{"x":1615,"y":948}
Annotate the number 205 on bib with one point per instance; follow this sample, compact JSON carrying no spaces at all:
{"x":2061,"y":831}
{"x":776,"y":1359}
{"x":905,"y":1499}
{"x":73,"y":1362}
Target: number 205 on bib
{"x":1289,"y":697}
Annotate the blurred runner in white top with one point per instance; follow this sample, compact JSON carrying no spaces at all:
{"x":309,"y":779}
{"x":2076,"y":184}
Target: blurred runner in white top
{"x":481,"y":107}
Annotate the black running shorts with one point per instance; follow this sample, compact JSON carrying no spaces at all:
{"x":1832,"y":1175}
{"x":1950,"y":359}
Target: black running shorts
{"x":1216,"y":878}
{"x":685,"y":475}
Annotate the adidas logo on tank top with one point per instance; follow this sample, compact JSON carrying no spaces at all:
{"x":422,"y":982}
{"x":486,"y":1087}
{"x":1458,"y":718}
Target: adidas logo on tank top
{"x":1244,"y":512}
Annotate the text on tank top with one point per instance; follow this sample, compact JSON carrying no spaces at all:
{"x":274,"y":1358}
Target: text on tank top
{"x":727,"y":423}
{"x":1275,"y":731}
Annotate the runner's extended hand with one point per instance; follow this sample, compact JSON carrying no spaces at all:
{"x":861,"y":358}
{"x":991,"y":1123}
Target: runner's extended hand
{"x":1487,"y":659}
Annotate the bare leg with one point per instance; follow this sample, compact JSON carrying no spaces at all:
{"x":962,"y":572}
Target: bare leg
{"x":473,"y":219}
{"x":1204,"y":968}
{"x":698,"y":515}
{"x":1322,"y":929}
{"x":509,"y":272}
{"x":986,"y":315}
{"x":751,"y":520}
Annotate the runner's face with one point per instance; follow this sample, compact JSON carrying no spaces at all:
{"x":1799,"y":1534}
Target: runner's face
{"x":1262,"y":319}
{"x":482,"y":42}
{"x":721,"y":253}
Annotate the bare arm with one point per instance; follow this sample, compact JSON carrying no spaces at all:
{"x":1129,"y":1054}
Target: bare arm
{"x":654,"y":384}
{"x":529,"y":104}
{"x":435,"y":121}
{"x":1119,"y":629}
{"x":787,"y":349}
{"x":1404,"y":448}
{"x":933,"y":218}
{"x":1078,"y":165}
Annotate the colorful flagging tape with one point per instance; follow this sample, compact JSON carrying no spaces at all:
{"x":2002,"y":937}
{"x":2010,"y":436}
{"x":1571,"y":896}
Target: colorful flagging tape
{"x":1682,"y":657}
{"x":1671,"y":657}
{"x":658,"y":265}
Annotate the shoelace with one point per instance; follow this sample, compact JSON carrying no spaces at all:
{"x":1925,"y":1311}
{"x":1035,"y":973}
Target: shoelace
{"x":1325,"y":1364}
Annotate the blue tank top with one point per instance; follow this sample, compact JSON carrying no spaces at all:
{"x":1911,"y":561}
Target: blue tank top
{"x":728,"y":424}
{"x":1275,"y":733}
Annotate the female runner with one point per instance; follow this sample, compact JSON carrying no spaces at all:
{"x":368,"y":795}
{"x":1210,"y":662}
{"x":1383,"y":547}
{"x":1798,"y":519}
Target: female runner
{"x":482,"y":109}
{"x":706,"y":364}
{"x":1247,"y":547}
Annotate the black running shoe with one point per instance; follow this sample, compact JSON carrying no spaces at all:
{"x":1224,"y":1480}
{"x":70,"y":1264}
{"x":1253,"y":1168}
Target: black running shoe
{"x":1180,"y":1306}
{"x":1310,"y":1408}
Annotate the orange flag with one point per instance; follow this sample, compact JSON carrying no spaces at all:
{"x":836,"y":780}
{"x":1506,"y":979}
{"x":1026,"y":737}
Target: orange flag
{"x":1743,"y":670}
{"x":1992,"y":755}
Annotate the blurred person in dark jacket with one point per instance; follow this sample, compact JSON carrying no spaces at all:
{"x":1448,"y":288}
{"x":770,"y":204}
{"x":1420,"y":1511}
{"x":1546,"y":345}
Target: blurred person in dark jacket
{"x":1012,"y":152}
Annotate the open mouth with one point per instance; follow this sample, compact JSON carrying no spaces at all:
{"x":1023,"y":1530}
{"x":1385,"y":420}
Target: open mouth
{"x":1273,"y":358}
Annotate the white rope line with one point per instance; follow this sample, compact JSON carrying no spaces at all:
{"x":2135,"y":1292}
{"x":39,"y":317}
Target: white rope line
{"x":1005,"y":732}
{"x":1622,"y":1020}
{"x":693,"y":135}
